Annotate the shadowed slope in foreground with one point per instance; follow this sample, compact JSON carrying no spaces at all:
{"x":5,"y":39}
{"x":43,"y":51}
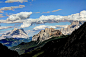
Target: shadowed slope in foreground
{"x":5,"y":52}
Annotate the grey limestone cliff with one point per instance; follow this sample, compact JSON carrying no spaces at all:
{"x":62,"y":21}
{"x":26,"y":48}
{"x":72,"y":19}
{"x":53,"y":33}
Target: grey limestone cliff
{"x":46,"y":34}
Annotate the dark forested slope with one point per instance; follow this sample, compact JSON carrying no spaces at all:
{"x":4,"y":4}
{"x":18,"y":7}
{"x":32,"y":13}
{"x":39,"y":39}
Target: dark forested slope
{"x":5,"y":52}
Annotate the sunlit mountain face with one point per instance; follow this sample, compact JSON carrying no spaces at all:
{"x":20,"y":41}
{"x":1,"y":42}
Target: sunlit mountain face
{"x":20,"y":20}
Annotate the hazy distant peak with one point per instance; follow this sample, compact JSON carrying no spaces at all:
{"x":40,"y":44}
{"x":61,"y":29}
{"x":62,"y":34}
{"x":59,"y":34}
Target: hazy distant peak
{"x":16,"y":33}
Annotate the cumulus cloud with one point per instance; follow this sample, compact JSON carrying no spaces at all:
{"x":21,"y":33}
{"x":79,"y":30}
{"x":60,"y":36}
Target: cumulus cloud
{"x":47,"y":26}
{"x":42,"y":19}
{"x":23,"y":17}
{"x":78,"y":16}
{"x":5,"y":27}
{"x":11,"y":1}
{"x":55,"y":19}
{"x":10,"y":8}
{"x":1,"y":15}
{"x":17,"y":18}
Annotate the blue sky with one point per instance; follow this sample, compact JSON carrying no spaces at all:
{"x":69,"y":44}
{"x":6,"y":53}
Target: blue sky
{"x":67,"y":7}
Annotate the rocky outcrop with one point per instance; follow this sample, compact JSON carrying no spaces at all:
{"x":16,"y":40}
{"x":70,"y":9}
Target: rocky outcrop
{"x":46,"y":34}
{"x":74,"y":25}
{"x":15,"y":33}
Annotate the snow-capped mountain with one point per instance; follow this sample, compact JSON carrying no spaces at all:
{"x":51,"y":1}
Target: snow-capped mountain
{"x":15,"y":33}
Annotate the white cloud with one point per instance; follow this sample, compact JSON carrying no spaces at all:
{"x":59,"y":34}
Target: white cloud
{"x":2,"y":32}
{"x":17,"y":18}
{"x":1,"y":16}
{"x":23,"y":17}
{"x":47,"y":26}
{"x":11,"y":1}
{"x":29,"y":31}
{"x":5,"y":27}
{"x":40,"y":27}
{"x":78,"y":16}
{"x":55,"y":19}
{"x":10,"y":8}
{"x":42,"y":19}
{"x":16,"y":21}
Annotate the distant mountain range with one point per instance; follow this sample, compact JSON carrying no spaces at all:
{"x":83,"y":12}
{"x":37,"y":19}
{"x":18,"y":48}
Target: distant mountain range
{"x":72,"y":46}
{"x":15,"y":33}
{"x":37,"y":40}
{"x":74,"y":25}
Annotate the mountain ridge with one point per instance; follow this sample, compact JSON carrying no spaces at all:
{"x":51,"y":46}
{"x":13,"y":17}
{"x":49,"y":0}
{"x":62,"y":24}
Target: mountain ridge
{"x":15,"y":33}
{"x":72,"y":46}
{"x":46,"y":34}
{"x":74,"y":25}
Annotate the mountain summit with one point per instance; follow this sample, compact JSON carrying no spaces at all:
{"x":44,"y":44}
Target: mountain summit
{"x":46,"y":34}
{"x":15,"y":33}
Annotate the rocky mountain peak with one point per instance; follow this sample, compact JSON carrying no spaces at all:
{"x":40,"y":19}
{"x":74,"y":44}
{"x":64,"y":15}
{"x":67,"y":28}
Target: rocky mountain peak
{"x":46,"y":34}
{"x":16,"y":33}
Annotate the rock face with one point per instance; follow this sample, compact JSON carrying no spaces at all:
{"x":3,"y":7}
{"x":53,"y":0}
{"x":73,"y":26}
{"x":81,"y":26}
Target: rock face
{"x":5,"y":52}
{"x":46,"y":34}
{"x":72,"y":46}
{"x":16,"y":33}
{"x":74,"y":25}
